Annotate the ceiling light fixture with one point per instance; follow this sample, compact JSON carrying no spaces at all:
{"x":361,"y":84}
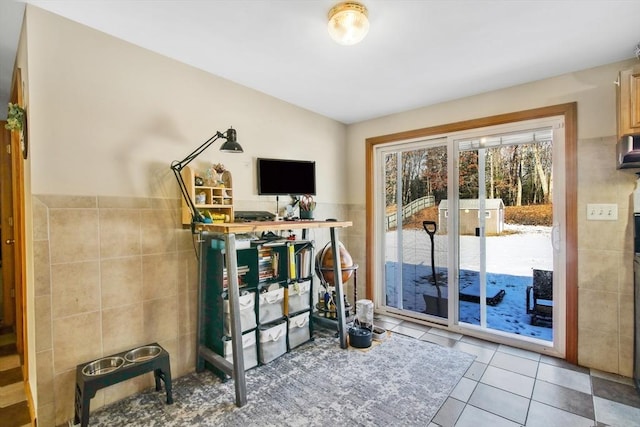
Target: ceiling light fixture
{"x":348,"y":23}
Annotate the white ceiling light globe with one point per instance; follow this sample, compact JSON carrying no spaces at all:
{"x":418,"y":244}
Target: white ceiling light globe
{"x":348,"y":23}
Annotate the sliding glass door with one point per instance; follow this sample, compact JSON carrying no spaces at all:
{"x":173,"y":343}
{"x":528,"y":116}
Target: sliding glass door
{"x":471,"y":232}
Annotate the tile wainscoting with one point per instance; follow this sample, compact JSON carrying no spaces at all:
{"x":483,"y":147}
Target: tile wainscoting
{"x":111,"y":273}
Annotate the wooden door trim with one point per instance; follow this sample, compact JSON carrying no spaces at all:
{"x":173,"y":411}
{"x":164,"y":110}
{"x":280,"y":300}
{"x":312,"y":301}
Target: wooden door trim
{"x":17,"y":185}
{"x":6,"y":211}
{"x":569,"y":112}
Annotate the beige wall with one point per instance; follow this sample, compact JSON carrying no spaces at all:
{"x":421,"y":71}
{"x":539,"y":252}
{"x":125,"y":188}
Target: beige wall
{"x":107,"y":118}
{"x":605,"y":267}
{"x":112,"y":267}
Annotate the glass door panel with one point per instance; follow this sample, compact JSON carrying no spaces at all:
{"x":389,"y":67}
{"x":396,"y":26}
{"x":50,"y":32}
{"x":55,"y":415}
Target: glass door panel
{"x":470,"y":224}
{"x":504,"y":233}
{"x":415,"y":230}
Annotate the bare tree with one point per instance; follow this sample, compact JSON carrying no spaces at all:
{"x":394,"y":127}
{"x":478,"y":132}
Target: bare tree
{"x":519,"y":181}
{"x":543,"y":177}
{"x":390,"y":181}
{"x":491,"y":172}
{"x":412,"y":167}
{"x":518,"y":174}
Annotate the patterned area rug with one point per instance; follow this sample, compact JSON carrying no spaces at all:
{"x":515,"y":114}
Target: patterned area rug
{"x":401,"y":381}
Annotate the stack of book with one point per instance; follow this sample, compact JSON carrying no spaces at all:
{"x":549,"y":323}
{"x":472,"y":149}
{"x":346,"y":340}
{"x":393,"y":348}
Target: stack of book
{"x":242,"y":271}
{"x":303,"y":262}
{"x":267,"y":264}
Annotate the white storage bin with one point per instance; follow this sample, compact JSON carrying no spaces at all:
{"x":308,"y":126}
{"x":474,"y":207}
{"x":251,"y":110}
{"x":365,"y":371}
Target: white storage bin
{"x":299,"y":330}
{"x":299,"y":296}
{"x":249,"y":350}
{"x":247,"y":313}
{"x":273,"y":342}
{"x":270,"y":307}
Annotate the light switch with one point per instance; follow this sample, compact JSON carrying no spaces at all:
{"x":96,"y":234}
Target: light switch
{"x":602,"y":211}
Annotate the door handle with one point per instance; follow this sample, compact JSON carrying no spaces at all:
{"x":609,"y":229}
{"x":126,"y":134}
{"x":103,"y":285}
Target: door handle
{"x":10,"y":241}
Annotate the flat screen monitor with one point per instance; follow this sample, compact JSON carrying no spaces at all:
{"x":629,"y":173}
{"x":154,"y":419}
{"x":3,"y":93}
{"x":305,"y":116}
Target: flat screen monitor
{"x":281,"y":177}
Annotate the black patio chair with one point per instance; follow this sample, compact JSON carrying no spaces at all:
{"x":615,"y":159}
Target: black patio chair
{"x":540,"y":297}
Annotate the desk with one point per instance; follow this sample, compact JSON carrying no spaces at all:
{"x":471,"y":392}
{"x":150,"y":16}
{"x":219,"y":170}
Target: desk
{"x":229,"y":230}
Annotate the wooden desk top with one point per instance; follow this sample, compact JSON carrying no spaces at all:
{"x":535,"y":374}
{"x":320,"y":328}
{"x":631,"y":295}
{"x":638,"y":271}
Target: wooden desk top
{"x":249,"y":227}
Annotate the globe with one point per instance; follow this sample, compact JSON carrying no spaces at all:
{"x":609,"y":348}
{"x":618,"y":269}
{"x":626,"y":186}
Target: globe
{"x":324,"y":264}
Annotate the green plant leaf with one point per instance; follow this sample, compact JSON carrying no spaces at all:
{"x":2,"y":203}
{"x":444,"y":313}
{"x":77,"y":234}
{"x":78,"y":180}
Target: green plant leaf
{"x":15,"y":117}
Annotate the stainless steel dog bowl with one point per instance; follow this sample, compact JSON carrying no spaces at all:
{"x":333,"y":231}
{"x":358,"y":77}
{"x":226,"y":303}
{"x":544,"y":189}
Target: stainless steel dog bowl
{"x":103,"y":366}
{"x":141,"y":354}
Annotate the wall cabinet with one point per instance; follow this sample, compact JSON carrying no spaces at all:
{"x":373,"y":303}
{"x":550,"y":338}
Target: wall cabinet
{"x":275,"y":281}
{"x":628,"y":102}
{"x":215,"y":202}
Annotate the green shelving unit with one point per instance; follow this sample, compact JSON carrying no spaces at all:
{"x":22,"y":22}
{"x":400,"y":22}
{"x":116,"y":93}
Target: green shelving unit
{"x":265,"y":267}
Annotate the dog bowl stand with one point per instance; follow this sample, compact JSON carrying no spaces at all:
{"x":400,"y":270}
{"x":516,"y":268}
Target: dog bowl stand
{"x":88,"y":385}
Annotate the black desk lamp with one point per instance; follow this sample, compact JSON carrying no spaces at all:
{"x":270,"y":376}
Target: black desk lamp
{"x":229,"y":146}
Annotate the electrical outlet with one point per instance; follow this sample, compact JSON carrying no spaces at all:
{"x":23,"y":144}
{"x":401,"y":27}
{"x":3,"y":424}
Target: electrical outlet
{"x":602,"y":211}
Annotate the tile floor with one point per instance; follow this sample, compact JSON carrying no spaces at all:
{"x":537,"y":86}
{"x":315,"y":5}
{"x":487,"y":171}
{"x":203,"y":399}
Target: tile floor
{"x":507,"y":386}
{"x":504,"y":386}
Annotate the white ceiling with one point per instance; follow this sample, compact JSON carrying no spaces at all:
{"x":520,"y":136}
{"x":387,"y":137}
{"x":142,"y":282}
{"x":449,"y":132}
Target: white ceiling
{"x":417,"y":53}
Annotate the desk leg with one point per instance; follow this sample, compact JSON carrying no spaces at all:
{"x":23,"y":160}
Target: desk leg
{"x":201,"y":288}
{"x":337,"y":274}
{"x":236,"y":331}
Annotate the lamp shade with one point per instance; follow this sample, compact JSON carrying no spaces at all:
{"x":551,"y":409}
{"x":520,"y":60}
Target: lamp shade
{"x":231,"y":144}
{"x":348,"y":23}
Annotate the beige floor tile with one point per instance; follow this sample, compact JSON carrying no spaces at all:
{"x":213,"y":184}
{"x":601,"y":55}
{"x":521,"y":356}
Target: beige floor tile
{"x":406,"y":330}
{"x":445,"y":333}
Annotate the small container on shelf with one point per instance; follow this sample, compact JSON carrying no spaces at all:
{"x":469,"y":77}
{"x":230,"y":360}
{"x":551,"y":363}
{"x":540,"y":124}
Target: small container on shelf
{"x":247,"y":313}
{"x":249,"y":350}
{"x":270,"y":305}
{"x":201,"y":198}
{"x":298,"y":296}
{"x":299,"y":332}
{"x":273,"y":341}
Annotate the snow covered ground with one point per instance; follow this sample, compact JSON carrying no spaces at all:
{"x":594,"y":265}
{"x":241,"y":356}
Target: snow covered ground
{"x":510,"y":261}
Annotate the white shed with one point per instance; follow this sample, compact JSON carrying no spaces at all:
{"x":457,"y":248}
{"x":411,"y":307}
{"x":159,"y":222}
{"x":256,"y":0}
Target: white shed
{"x":470,"y":215}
